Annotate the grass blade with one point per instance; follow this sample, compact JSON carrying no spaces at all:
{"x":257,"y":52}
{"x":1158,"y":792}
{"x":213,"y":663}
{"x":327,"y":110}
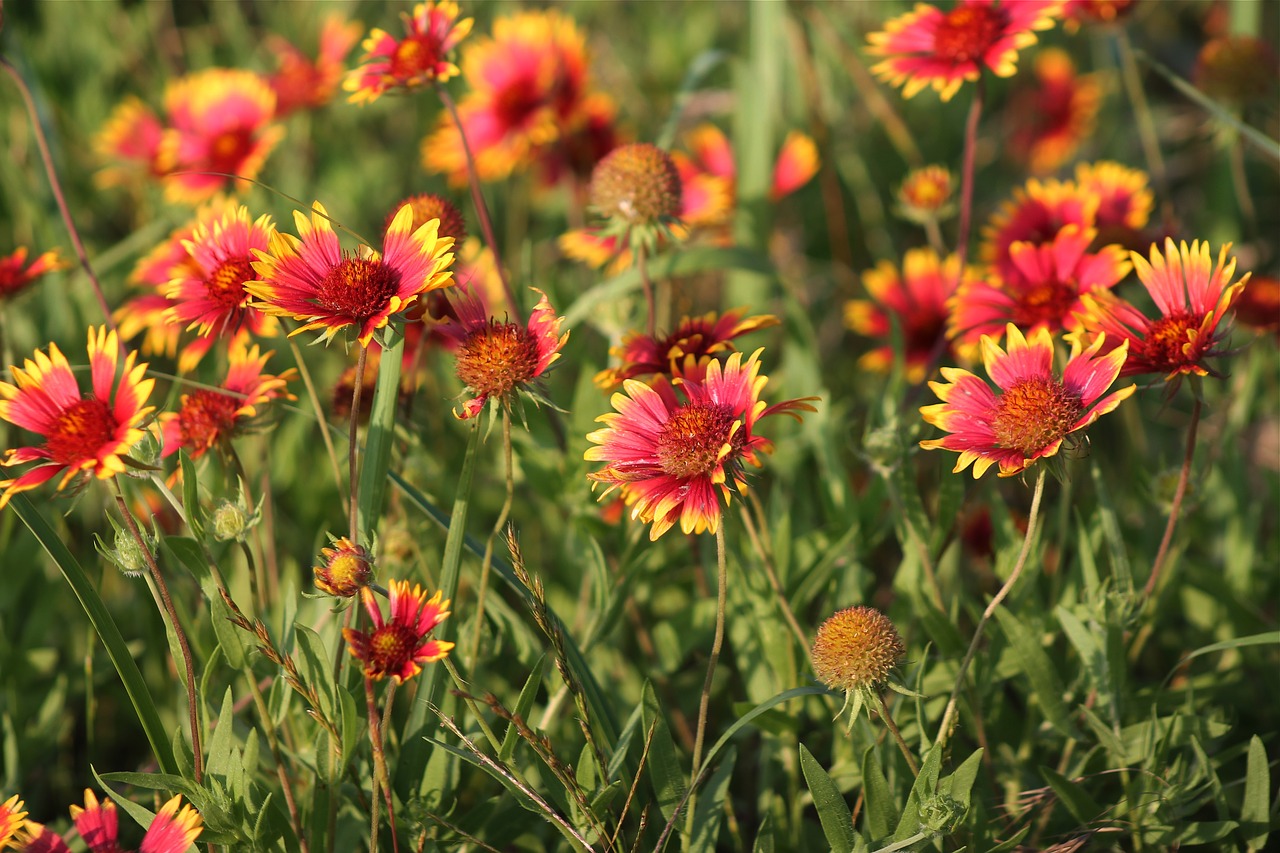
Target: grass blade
{"x":833,"y":811}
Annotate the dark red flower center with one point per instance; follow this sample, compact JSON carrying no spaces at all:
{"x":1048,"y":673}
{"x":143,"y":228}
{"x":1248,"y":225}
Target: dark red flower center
{"x":226,"y":285}
{"x":1047,"y":302}
{"x":692,"y":438}
{"x":516,"y":102}
{"x":1035,"y":413}
{"x":966,"y":33}
{"x":206,"y":416}
{"x":414,"y":57}
{"x":922,"y":331}
{"x":228,"y":150}
{"x":391,"y":648}
{"x":496,"y":358}
{"x":358,"y":288}
{"x":1164,"y":341}
{"x":81,"y":431}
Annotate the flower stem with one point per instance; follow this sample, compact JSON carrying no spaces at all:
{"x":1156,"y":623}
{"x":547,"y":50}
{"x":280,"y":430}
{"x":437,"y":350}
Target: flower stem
{"x":353,"y":449}
{"x":643,"y":268}
{"x":168,"y":610}
{"x":56,"y":186}
{"x":477,"y":198}
{"x":948,"y":716}
{"x":966,"y":180}
{"x":722,"y":578}
{"x":897,"y":735}
{"x":487,"y":563}
{"x":1179,"y":493}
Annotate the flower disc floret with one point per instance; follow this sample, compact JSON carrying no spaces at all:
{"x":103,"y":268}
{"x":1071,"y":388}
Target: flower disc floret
{"x":347,"y":568}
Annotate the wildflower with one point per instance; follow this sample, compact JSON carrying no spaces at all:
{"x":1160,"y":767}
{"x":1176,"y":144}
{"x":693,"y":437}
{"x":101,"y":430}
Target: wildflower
{"x":496,"y":358}
{"x":596,"y":249}
{"x":588,"y":133}
{"x":668,"y":454}
{"x":528,"y":83}
{"x":230,"y":520}
{"x":1236,"y":68}
{"x":127,"y":554}
{"x":856,"y":649}
{"x":1258,"y":305}
{"x":11,"y":819}
{"x":207,"y":418}
{"x":302,"y":83}
{"x":428,"y":206}
{"x":1048,"y":122}
{"x":398,"y":646}
{"x":313,"y":280}
{"x":695,"y":341}
{"x":417,"y":60}
{"x":1035,"y":215}
{"x":207,"y":291}
{"x":1124,"y":200}
{"x":927,"y":47}
{"x":171,"y":831}
{"x":1031,"y":413}
{"x":219,"y":125}
{"x":797,"y":162}
{"x":83,"y":433}
{"x":1042,"y":290}
{"x":917,"y":297}
{"x":347,"y":568}
{"x":925,"y":194}
{"x":130,"y":141}
{"x":16,"y":273}
{"x":636,"y":185}
{"x":1192,"y":295}
{"x":1100,"y":11}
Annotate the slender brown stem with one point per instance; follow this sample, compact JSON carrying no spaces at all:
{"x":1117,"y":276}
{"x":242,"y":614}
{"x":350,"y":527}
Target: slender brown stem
{"x":722,"y":578}
{"x":1179,"y":493}
{"x":487,"y":563}
{"x":887,"y":718}
{"x":56,"y":186}
{"x":477,"y":198}
{"x":948,"y":716}
{"x":273,"y":742}
{"x":353,"y":447}
{"x":172,"y":614}
{"x":381,"y":778}
{"x":643,"y":268}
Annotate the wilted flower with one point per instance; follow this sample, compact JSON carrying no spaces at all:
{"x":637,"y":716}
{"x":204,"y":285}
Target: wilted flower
{"x":398,"y":646}
{"x":856,"y":649}
{"x":636,"y":184}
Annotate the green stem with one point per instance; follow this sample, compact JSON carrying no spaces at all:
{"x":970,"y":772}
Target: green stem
{"x":487,"y":563}
{"x":643,"y":268}
{"x":318,"y":409}
{"x":704,"y":703}
{"x":273,"y":742}
{"x":948,"y":716}
{"x":1179,"y":493}
{"x":1142,"y":112}
{"x":353,"y":447}
{"x":887,"y":718}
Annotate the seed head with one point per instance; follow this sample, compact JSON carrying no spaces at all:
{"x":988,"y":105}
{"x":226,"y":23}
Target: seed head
{"x":428,"y":206}
{"x":856,"y":649}
{"x":637,"y":184}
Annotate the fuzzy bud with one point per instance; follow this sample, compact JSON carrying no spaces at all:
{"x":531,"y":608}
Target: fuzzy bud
{"x":856,"y":649}
{"x":229,"y":521}
{"x":638,"y":184}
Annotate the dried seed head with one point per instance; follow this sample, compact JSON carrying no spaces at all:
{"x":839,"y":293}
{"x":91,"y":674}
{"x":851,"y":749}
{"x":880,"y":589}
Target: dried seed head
{"x":856,"y":649}
{"x":638,"y":184}
{"x":428,"y":206}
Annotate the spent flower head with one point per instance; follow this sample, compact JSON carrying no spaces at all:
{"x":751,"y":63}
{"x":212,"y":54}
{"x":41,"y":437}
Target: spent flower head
{"x":854,"y":651}
{"x":637,"y":188}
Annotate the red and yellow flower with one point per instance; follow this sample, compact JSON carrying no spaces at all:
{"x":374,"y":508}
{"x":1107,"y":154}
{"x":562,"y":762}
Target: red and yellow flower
{"x":1258,"y":305}
{"x":1125,"y":200}
{"x":346,"y":568}
{"x":171,"y":830}
{"x":84,"y":433}
{"x":917,"y":297}
{"x":16,"y":274}
{"x":130,"y":141}
{"x":495,"y":359}
{"x":310,"y":278}
{"x":1193,"y":296}
{"x":1043,"y":289}
{"x":417,"y":60}
{"x":398,"y":646}
{"x":11,"y":819}
{"x":1049,"y":121}
{"x":929,"y":47}
{"x":1030,"y":413}
{"x":207,"y":418}
{"x":925,"y":194}
{"x":690,"y":346}
{"x":1035,"y":215}
{"x":219,"y":125}
{"x":671,"y":455}
{"x":301,"y":82}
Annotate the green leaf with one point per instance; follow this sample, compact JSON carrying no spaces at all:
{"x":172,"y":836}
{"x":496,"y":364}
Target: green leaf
{"x":1039,"y":669}
{"x":1083,"y":807}
{"x":223,"y":755}
{"x":1266,"y":638}
{"x":709,"y":813}
{"x":523,"y":705}
{"x":881,"y":811}
{"x":959,"y":785}
{"x":1106,"y":511}
{"x":765,"y":842}
{"x":925,"y":786}
{"x":1254,"y":820}
{"x":833,"y":811}
{"x":380,"y":437}
{"x":316,"y":667}
{"x":665,"y":773}
{"x":191,"y":495}
{"x":105,"y":627}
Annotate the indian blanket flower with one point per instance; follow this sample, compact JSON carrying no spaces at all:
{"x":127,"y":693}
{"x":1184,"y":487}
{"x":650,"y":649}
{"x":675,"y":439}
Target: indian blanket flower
{"x":693,"y":342}
{"x":16,"y":274}
{"x":636,"y":185}
{"x":301,"y":82}
{"x":399,"y":645}
{"x":1237,"y":69}
{"x":206,"y":418}
{"x":130,"y":142}
{"x":1049,"y":120}
{"x":929,"y":47}
{"x":1258,"y":305}
{"x":171,"y":830}
{"x":207,"y":291}
{"x":1193,"y":296}
{"x":417,"y":60}
{"x":346,"y":568}
{"x":1124,"y":197}
{"x":495,"y":359}
{"x":1042,"y":290}
{"x":219,"y":124}
{"x":925,"y":194}
{"x":1030,"y":413}
{"x":917,"y":297}
{"x":11,"y":819}
{"x":528,"y":81}
{"x":672,"y":449}
{"x":310,"y":278}
{"x":84,"y":433}
{"x":1035,"y":214}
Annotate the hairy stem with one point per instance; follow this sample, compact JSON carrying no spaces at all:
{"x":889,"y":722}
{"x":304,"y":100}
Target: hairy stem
{"x":883,"y":711}
{"x":643,"y":268}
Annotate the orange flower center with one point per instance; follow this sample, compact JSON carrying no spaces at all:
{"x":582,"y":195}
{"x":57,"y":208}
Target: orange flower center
{"x":413,"y":57}
{"x":1043,"y":302}
{"x":1163,"y":344}
{"x":391,"y":649}
{"x":206,"y":416}
{"x":692,"y":438}
{"x":81,"y":431}
{"x":496,"y":358}
{"x":1035,"y":413}
{"x":226,"y":285}
{"x":966,"y":33}
{"x":358,"y":288}
{"x":228,"y":150}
